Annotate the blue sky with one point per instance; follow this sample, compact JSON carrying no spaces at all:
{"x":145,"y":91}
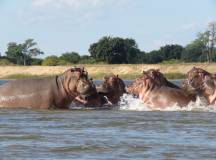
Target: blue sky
{"x":72,"y":25}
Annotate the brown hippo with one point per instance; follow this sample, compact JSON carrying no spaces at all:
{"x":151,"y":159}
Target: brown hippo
{"x":159,"y":78}
{"x":44,"y":93}
{"x":112,"y":88}
{"x":202,"y":83}
{"x":158,"y":94}
{"x":95,"y":100}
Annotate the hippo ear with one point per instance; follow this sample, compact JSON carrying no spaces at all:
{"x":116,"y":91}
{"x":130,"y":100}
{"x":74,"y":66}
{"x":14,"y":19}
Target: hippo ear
{"x":144,"y":72}
{"x":158,"y":70}
{"x":117,"y":76}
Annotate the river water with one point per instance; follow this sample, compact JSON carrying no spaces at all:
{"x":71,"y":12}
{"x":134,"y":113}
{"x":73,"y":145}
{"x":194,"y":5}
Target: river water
{"x":130,"y":132}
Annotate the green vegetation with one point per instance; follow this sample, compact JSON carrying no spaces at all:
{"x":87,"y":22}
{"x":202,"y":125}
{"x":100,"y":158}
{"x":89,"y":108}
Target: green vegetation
{"x":98,"y":76}
{"x":50,"y":61}
{"x":117,"y":50}
{"x":22,"y":53}
{"x":25,"y":75}
{"x":175,"y":75}
{"x":5,"y":62}
{"x":16,"y":76}
{"x":172,"y":61}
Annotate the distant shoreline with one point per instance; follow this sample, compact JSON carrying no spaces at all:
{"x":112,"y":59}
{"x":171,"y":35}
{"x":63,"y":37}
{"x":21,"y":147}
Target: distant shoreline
{"x":125,"y":71}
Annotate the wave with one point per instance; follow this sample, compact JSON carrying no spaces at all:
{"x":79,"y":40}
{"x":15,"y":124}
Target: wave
{"x":130,"y":103}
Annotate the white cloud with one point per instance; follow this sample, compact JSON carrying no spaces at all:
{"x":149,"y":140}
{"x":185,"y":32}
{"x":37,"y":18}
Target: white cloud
{"x":66,"y":3}
{"x":76,"y":4}
{"x":187,"y":27}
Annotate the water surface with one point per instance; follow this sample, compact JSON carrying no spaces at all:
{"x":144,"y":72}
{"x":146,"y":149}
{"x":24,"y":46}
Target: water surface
{"x":115,"y":134}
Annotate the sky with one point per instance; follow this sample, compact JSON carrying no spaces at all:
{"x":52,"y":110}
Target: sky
{"x":60,"y":26}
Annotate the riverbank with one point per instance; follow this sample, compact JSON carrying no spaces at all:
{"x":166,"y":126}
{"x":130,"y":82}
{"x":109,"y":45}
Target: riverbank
{"x":125,"y":71}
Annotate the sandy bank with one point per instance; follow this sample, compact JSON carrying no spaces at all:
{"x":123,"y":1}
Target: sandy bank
{"x":99,"y":70}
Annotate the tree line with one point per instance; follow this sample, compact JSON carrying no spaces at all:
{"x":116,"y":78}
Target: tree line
{"x":116,"y":50}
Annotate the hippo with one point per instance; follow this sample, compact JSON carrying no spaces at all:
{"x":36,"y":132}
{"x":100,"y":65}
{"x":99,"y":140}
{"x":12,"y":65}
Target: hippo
{"x":159,"y":78}
{"x":201,"y":83}
{"x":95,"y":100}
{"x":112,"y":88}
{"x":55,"y":92}
{"x":158,"y":94}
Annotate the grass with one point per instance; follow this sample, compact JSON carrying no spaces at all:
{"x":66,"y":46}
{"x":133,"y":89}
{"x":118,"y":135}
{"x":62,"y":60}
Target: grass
{"x":175,"y":75}
{"x":17,"y":76}
{"x":98,"y":76}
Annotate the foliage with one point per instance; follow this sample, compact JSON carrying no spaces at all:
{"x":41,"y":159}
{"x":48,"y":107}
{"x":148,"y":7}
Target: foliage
{"x":169,"y":52}
{"x":115,"y":50}
{"x":175,"y":75}
{"x":70,"y":57}
{"x":85,"y":59}
{"x":36,"y":61}
{"x":152,"y":57}
{"x":5,"y":62}
{"x":171,"y":61}
{"x":22,"y":53}
{"x":193,"y":51}
{"x":50,"y":61}
{"x":14,"y":52}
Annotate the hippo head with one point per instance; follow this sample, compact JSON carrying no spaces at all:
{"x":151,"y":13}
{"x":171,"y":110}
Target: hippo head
{"x":155,"y":74}
{"x":113,"y":88}
{"x":159,"y":78}
{"x":77,"y":83}
{"x":145,"y":82}
{"x":199,"y":80}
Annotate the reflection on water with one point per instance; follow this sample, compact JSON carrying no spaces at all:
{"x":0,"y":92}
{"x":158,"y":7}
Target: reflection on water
{"x":114,"y":134}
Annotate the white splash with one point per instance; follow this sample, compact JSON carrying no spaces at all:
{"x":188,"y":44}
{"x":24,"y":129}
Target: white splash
{"x":128,"y":102}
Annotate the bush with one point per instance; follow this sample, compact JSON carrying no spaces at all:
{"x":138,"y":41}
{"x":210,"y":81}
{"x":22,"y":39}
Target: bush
{"x":172,"y":61}
{"x":5,"y":62}
{"x":50,"y":61}
{"x":176,"y":75}
{"x":62,"y":62}
{"x":70,"y":57}
{"x":36,"y":61}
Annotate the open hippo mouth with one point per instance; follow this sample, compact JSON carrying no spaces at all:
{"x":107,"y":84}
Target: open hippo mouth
{"x":89,"y":95}
{"x":87,"y":90}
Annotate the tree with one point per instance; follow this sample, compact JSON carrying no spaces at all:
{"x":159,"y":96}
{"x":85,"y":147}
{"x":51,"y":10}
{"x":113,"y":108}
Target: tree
{"x":14,"y":52}
{"x":212,"y":38}
{"x":50,"y":61}
{"x":115,"y":50}
{"x":208,"y":39}
{"x":193,"y":51}
{"x":70,"y":57}
{"x":169,"y":52}
{"x":22,"y":53}
{"x":85,"y":59}
{"x":153,"y":57}
{"x":28,"y":51}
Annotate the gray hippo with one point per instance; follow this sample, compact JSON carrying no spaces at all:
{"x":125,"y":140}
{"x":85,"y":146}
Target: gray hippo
{"x":44,"y":93}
